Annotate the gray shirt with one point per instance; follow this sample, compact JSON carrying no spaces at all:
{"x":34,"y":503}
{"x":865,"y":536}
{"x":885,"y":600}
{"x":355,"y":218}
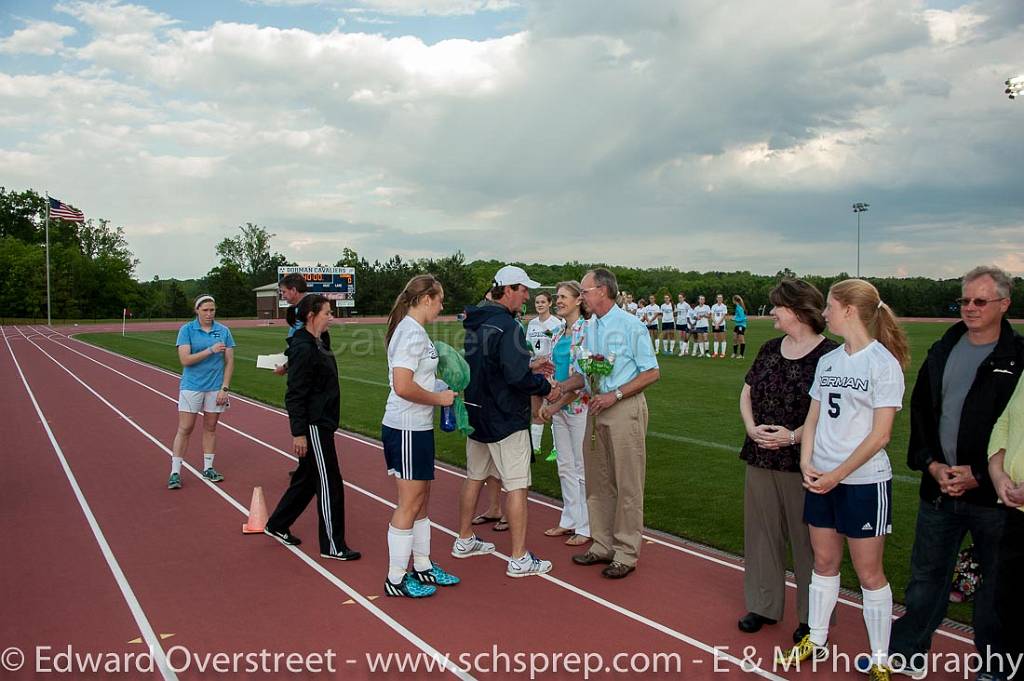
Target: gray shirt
{"x":957,"y":378}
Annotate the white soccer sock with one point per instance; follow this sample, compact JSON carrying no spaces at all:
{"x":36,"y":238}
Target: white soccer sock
{"x":536,"y":434}
{"x":399,"y":549}
{"x":706,"y":350}
{"x":208,"y":461}
{"x":823,"y":594}
{"x":671,"y":345}
{"x":421,"y":545}
{"x":878,"y":620}
{"x":657,"y":344}
{"x":686,"y":348}
{"x":176,"y":464}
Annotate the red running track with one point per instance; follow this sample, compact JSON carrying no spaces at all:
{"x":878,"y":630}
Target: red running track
{"x":156,"y":563}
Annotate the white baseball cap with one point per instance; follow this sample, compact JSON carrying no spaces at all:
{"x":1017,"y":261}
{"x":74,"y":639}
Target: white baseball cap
{"x":510,"y":274}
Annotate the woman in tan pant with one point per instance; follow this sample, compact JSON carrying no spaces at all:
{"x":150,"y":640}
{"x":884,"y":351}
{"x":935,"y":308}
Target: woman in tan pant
{"x":774,"y":403}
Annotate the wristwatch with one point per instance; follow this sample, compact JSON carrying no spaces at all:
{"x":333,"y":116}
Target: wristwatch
{"x":225,"y":388}
{"x":618,"y":394}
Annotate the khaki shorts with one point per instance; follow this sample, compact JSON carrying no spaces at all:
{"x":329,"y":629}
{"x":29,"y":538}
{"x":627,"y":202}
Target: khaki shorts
{"x":508,"y":460}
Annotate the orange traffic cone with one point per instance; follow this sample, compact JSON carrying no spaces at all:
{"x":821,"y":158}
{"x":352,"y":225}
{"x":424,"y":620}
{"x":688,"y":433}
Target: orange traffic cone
{"x":257,"y":513}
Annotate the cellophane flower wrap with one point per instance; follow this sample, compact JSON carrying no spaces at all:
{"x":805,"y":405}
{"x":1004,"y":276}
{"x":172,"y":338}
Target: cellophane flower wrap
{"x":453,"y":369}
{"x":596,"y":367}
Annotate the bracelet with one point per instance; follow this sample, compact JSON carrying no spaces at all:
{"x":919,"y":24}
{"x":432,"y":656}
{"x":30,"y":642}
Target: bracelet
{"x":225,"y":388}
{"x":792,"y":438}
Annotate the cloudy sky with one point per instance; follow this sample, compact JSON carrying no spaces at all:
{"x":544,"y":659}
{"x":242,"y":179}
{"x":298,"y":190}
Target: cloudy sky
{"x":701,"y":134}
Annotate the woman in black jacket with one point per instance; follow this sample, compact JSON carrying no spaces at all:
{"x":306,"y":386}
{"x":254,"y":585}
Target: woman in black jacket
{"x":313,"y":401}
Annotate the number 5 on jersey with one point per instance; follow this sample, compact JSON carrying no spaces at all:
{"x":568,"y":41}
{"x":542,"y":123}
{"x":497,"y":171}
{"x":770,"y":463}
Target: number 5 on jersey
{"x":833,"y":404}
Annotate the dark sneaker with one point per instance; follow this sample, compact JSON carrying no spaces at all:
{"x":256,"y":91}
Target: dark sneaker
{"x":285,"y":537}
{"x":174,"y":482}
{"x":345,"y":554}
{"x":617,"y":570}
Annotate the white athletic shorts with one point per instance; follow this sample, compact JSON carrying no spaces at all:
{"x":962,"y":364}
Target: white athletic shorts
{"x":195,"y":401}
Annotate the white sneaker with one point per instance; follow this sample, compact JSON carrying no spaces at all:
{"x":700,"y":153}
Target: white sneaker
{"x":527,"y":566}
{"x":464,"y":548}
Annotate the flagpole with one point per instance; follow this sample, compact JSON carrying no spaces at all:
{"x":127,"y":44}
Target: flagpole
{"x":49,"y":319}
{"x":124,"y":318}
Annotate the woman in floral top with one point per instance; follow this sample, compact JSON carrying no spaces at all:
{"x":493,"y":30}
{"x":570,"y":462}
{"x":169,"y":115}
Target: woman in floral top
{"x":774,"y":403}
{"x":568,"y":418}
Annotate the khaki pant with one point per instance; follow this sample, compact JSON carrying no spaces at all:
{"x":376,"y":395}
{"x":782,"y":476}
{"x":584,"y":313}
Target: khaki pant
{"x":615,"y":463}
{"x":773,"y":512}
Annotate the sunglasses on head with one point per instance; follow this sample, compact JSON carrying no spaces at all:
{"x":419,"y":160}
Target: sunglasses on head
{"x":977,"y":302}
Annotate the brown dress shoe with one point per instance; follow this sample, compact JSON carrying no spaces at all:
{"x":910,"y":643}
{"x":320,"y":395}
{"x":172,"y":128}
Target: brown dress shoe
{"x":589,"y":558}
{"x":617,"y":570}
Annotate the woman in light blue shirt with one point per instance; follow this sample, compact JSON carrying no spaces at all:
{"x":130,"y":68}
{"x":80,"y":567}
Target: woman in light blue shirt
{"x":206,"y":352}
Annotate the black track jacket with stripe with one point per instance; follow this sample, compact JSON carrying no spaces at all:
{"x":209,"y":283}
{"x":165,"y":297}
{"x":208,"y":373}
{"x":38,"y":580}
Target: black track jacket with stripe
{"x":313,"y":397}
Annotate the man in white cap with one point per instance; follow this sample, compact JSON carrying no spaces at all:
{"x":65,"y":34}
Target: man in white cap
{"x":498,"y":400}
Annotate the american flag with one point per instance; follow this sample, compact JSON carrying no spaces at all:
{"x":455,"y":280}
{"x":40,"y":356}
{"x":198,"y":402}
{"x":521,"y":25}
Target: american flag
{"x":62,"y":211}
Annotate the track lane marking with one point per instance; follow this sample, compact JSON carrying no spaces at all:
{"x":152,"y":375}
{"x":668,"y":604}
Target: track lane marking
{"x":629,"y":614}
{"x":456,"y":473}
{"x":326,"y":574}
{"x":152,"y":640}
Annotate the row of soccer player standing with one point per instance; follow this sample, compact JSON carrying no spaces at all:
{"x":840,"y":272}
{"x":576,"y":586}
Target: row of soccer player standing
{"x":690,"y":324}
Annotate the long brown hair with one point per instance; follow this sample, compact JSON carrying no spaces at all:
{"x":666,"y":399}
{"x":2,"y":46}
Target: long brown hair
{"x":738,"y":300}
{"x":878,"y":318}
{"x":419,"y":286}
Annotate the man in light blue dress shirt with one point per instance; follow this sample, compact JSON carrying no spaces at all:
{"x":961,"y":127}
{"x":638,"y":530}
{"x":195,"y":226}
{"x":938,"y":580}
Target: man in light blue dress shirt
{"x":615,"y":453}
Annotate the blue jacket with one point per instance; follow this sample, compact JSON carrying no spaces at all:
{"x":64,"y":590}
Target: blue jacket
{"x":501,"y":382}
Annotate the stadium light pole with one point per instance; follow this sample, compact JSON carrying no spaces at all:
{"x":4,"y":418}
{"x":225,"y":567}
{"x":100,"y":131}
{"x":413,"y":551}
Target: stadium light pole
{"x":859,"y":208}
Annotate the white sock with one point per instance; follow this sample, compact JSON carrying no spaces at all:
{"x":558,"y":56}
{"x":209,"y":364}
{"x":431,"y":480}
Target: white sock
{"x":208,"y":461}
{"x":823,"y":594}
{"x":399,"y":549}
{"x":421,"y":545}
{"x":176,"y":464}
{"x":671,"y":345}
{"x":536,"y":434}
{"x":878,"y":620}
{"x":657,"y":344}
{"x":706,"y":349}
{"x":686,"y":348}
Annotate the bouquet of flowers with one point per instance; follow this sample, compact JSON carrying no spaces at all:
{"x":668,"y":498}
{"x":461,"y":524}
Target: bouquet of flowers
{"x":596,"y":367}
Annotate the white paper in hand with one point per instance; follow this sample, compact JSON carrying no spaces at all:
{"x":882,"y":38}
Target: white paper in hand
{"x":270,"y":361}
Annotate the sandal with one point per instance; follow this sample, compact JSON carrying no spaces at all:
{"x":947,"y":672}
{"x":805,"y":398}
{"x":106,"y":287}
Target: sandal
{"x":483,"y":519}
{"x":558,"y":531}
{"x":577,"y":540}
{"x":501,"y":525}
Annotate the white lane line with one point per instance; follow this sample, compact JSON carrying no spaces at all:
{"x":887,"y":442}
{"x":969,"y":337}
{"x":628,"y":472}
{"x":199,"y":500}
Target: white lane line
{"x":333,"y":579}
{"x":152,"y":640}
{"x":668,"y":631}
{"x":459,"y":474}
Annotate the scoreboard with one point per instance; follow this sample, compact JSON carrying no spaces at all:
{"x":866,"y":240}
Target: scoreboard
{"x":334,"y":283}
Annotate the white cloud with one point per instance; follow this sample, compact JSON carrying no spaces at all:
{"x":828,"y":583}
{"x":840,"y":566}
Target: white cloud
{"x":699,"y":134}
{"x":38,"y":37}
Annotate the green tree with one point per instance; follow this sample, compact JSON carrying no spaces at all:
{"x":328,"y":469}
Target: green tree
{"x":249,"y":253}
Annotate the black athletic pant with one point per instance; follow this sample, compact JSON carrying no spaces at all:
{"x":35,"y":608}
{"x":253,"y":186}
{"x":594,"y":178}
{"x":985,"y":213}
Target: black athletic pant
{"x":318,"y":474}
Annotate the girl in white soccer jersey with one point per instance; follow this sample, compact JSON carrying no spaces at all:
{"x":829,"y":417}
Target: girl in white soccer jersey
{"x":718,"y":314}
{"x":540,"y":334}
{"x":668,"y":325}
{"x":857,"y":390}
{"x":652,"y":314}
{"x":683,"y":324}
{"x":407,"y":432}
{"x":701,"y":313}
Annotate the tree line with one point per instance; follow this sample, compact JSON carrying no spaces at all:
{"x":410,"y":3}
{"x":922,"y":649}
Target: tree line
{"x":93,"y":275}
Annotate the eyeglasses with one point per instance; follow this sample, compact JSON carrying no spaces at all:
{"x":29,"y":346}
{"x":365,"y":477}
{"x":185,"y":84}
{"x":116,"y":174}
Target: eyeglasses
{"x":588,"y":290}
{"x":977,"y":302}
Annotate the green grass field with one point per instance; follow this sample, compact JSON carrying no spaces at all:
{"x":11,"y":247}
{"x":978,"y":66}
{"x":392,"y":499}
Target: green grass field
{"x":694,"y":475}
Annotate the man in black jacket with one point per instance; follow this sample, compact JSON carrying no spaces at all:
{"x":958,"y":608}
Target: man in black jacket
{"x":498,"y":400}
{"x":962,"y":388}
